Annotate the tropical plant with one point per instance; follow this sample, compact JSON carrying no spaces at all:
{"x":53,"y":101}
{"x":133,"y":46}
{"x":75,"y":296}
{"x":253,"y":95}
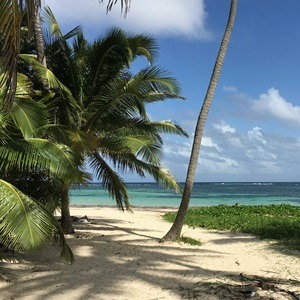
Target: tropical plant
{"x":12,"y":16}
{"x":106,"y":104}
{"x":175,"y":231}
{"x":25,"y":223}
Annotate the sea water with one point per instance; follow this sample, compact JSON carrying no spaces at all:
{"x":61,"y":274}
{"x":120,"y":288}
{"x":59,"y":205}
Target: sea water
{"x":204,"y":194}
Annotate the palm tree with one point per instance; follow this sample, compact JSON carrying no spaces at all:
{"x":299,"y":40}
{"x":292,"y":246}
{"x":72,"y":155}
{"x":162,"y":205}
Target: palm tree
{"x":175,"y":231}
{"x":12,"y":15}
{"x":107,"y":104}
{"x":26,"y":224}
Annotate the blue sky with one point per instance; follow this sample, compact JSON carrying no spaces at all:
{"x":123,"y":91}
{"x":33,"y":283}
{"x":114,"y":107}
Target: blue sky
{"x":253,"y":128}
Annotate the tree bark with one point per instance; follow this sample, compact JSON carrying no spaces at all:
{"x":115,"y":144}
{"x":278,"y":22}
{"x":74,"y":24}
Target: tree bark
{"x":175,"y":231}
{"x":38,"y":36}
{"x":40,"y":45}
{"x":66,"y":223}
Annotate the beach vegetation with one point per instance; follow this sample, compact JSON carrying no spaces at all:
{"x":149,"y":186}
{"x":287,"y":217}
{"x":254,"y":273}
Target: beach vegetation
{"x":94,"y":107}
{"x":81,"y":104}
{"x":25,"y":223}
{"x":279,"y":222}
{"x":14,"y":16}
{"x":176,"y":228}
{"x":189,"y":240}
{"x":105,"y":103}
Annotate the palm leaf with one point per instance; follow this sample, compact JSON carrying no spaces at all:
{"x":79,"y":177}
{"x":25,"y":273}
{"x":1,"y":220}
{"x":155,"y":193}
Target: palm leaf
{"x":55,"y":30}
{"x":68,"y":107}
{"x":10,"y":31}
{"x":11,"y":15}
{"x":44,"y":73}
{"x":64,"y":161}
{"x":115,"y":99}
{"x":36,"y":154}
{"x":162,"y":176}
{"x":110,"y":180}
{"x":78,"y":140}
{"x":107,"y":57}
{"x":155,"y":82}
{"x":168,"y":127}
{"x":146,"y":147}
{"x":125,"y":5}
{"x":18,"y":154}
{"x":25,"y":224}
{"x":137,"y":126}
{"x":142,"y":45}
{"x":28,"y":116}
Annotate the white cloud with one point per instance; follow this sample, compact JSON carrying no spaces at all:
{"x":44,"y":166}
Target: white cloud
{"x":251,"y":155}
{"x":207,"y":142}
{"x":273,"y":105}
{"x":177,"y":149}
{"x":229,"y":88}
{"x":156,"y":17}
{"x":223,"y":127}
{"x":236,"y":142}
{"x":256,"y":135}
{"x":217,"y":164}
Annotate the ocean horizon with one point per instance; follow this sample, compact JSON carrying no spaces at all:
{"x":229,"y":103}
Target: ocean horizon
{"x":149,"y":194}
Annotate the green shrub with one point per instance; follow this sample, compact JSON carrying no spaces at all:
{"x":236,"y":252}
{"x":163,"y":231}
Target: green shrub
{"x":280,"y":222}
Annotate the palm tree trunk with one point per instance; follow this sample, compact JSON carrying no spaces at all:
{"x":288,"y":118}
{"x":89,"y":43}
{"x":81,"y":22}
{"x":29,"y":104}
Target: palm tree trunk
{"x":38,"y":36}
{"x":39,"y":44}
{"x":175,"y":231}
{"x":66,"y":223}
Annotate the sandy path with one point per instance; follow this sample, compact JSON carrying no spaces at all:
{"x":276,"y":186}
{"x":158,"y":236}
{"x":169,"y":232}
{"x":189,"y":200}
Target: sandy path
{"x":119,"y":257}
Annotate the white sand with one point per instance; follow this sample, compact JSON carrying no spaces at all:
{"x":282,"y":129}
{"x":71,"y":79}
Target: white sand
{"x":119,"y":257}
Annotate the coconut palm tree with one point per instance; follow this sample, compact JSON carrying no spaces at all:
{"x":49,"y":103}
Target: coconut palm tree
{"x":26,"y":224}
{"x":12,"y":16}
{"x":108,"y":103}
{"x":175,"y":231}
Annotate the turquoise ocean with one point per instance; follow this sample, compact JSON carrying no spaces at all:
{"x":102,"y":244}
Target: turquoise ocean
{"x":204,"y":194}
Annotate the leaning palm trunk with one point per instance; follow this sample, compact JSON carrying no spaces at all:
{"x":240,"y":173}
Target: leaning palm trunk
{"x":175,"y":231}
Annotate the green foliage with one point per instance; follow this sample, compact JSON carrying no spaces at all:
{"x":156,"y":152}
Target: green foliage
{"x":25,"y":224}
{"x":113,"y":128}
{"x":190,"y":241}
{"x":280,"y":222}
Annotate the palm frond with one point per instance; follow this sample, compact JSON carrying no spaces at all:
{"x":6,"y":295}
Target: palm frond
{"x":28,"y":116}
{"x":146,"y":147}
{"x":115,"y":99}
{"x":162,"y":176}
{"x":77,"y":139}
{"x":142,"y":45}
{"x":64,"y":161}
{"x":18,"y":154}
{"x":11,"y":14}
{"x":168,"y":127}
{"x":110,"y":180}
{"x":125,"y":5}
{"x":25,"y":224}
{"x":127,"y":162}
{"x":156,"y":81}
{"x":67,"y":104}
{"x":136,"y":126}
{"x":44,"y":73}
{"x":107,"y":57}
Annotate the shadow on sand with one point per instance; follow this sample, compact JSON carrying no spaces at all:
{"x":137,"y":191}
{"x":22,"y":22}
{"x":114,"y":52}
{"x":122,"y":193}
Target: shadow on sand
{"x":109,"y":264}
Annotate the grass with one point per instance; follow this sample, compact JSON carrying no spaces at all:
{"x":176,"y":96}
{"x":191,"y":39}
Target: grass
{"x":279,"y":222}
{"x":189,"y":240}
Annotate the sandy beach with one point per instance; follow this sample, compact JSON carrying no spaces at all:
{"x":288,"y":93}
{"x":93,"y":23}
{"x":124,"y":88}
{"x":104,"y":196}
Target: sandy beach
{"x":118,"y":257}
